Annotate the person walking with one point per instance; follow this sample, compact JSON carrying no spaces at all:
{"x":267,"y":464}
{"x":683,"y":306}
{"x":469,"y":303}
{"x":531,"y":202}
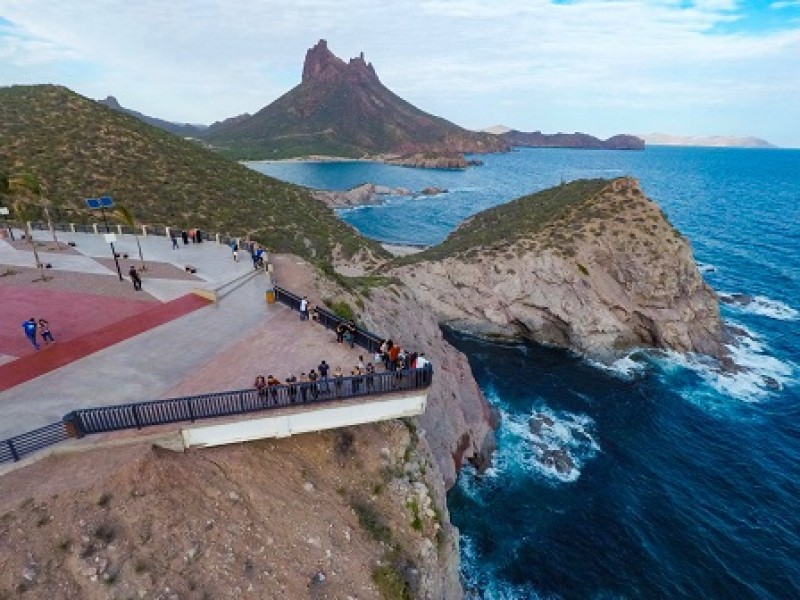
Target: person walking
{"x":137,"y":281}
{"x":44,"y":331}
{"x":29,"y":327}
{"x":304,"y":309}
{"x":174,"y":239}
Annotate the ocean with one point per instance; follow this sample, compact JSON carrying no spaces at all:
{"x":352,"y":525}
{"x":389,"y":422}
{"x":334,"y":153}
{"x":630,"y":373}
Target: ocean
{"x":685,"y":480}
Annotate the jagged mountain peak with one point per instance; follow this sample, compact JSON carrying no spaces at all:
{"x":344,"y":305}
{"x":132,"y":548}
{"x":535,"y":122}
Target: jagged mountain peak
{"x":323,"y":66}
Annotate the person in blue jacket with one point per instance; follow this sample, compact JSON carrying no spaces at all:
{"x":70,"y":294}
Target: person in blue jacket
{"x":29,"y":327}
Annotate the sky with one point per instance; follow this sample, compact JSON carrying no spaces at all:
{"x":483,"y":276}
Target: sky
{"x":704,"y":67}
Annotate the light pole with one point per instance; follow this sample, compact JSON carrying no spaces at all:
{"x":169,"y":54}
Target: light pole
{"x":103,"y":203}
{"x":4,"y":211}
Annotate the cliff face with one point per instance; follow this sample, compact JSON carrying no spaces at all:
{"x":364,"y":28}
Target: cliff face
{"x":602,"y":273}
{"x":458,"y":424}
{"x":342,"y":109}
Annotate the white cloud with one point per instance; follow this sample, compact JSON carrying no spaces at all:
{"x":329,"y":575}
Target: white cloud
{"x":529,"y":64}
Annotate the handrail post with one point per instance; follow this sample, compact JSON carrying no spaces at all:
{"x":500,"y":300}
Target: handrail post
{"x":136,"y":416}
{"x":13,"y":450}
{"x":73,"y":425}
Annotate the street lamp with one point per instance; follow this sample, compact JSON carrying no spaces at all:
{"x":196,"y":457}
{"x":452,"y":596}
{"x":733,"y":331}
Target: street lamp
{"x":102,"y":203}
{"x":4,"y":211}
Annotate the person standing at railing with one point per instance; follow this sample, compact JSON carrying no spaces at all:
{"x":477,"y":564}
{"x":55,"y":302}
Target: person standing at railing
{"x":323,"y":375}
{"x":261,"y":387}
{"x":355,"y":378}
{"x":341,"y":328}
{"x":291,"y":387}
{"x":351,"y":332}
{"x":312,"y":381}
{"x":304,"y":308}
{"x":272,"y":384}
{"x":303,"y":385}
{"x":338,"y":380}
{"x":370,"y":378}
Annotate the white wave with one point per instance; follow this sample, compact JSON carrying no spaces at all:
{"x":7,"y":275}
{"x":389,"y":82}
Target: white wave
{"x":760,"y":305}
{"x":556,"y":447}
{"x":626,"y":367}
{"x":706,"y":268}
{"x":754,"y":377}
{"x":481,"y":583}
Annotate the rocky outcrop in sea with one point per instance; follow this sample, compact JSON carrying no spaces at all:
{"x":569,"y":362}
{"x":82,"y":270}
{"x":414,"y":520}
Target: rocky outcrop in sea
{"x":601,"y":275}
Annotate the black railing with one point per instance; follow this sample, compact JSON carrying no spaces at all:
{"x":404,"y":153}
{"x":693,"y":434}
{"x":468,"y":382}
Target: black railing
{"x":17,"y":447}
{"x":208,"y":406}
{"x":329,"y":320}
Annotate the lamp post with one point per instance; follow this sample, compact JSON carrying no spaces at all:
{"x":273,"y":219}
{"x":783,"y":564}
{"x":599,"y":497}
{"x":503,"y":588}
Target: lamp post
{"x":4,"y":211}
{"x":103,"y":203}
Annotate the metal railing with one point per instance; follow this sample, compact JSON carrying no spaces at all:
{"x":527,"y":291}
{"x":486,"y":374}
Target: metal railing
{"x":238,"y":402}
{"x":366,"y":339}
{"x":19,"y":446}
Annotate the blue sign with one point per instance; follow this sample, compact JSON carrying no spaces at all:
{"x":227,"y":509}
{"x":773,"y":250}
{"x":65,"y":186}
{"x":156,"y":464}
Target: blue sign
{"x":102,"y":202}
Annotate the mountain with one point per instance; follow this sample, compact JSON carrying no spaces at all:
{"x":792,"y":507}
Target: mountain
{"x":78,"y":148}
{"x":343,"y":109}
{"x":714,"y":141}
{"x":181,"y":129}
{"x":537,"y":139}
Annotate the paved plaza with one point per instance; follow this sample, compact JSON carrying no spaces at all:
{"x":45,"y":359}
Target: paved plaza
{"x":220,"y":346}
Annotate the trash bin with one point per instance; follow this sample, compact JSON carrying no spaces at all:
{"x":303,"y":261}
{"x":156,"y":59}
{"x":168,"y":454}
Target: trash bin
{"x":270,"y":296}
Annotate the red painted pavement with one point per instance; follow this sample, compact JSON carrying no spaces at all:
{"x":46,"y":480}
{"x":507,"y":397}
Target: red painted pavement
{"x":103,"y":322}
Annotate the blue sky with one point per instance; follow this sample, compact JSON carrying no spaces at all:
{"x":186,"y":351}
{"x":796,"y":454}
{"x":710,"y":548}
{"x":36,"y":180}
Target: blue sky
{"x":705,"y":67}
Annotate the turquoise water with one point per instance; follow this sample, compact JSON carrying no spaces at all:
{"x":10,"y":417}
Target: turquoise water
{"x":686,"y":481}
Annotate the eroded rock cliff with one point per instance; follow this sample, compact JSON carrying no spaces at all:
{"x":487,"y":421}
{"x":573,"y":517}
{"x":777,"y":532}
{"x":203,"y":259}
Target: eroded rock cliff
{"x":593,"y":266}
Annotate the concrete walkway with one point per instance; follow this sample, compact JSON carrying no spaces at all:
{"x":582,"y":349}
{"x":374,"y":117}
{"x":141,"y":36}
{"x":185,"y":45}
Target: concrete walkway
{"x":222,"y":346}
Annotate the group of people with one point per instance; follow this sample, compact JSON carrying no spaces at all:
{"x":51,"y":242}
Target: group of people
{"x":194,"y":234}
{"x":258,"y":253}
{"x":32,"y":328}
{"x":395,"y":358}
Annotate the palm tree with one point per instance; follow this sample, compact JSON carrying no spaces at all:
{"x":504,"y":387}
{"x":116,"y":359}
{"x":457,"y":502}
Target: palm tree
{"x":24,"y":214}
{"x":127,"y":217}
{"x":27,"y":182}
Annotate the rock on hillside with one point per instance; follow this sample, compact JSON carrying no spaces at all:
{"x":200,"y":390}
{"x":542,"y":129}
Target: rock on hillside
{"x":593,"y":266}
{"x":342,"y":109}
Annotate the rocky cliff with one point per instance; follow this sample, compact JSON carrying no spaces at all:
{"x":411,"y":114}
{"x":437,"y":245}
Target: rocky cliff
{"x":593,"y":266}
{"x":342,"y":109}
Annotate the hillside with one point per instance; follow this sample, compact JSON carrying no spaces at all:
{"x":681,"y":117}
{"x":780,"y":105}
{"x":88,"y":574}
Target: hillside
{"x":342,"y":109}
{"x":181,"y":129}
{"x":78,"y":148}
{"x":593,"y":266}
{"x":537,"y":139}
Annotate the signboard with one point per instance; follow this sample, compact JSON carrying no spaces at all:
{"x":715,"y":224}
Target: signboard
{"x":110,"y":237}
{"x":3,"y":210}
{"x":102,"y":202}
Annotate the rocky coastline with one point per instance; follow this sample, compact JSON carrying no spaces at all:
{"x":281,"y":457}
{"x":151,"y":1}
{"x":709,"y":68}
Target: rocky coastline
{"x":368,"y":194}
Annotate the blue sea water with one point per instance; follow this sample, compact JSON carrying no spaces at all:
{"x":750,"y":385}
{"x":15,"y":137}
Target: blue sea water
{"x":685,"y":480}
